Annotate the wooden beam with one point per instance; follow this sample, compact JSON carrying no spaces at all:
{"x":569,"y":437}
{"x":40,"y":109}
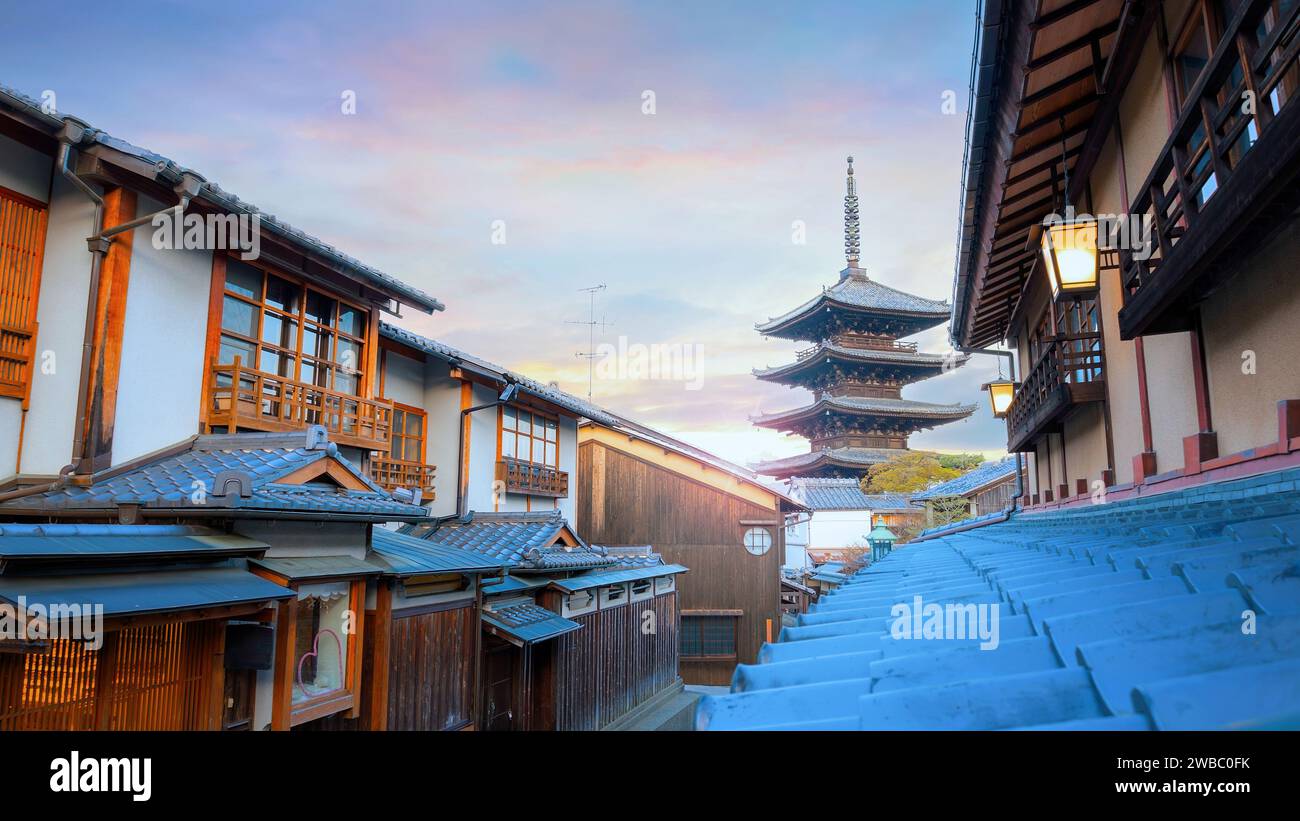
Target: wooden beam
{"x":1086,"y":41}
{"x":110,"y":320}
{"x":1067,"y":10}
{"x":282,"y":687}
{"x":376,"y":700}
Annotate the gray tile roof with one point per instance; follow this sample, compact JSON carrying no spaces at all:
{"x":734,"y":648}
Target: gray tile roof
{"x":560,"y":557}
{"x":847,"y":457}
{"x":1123,"y":615}
{"x":90,"y":542}
{"x":505,"y":537}
{"x":823,"y":349}
{"x":972,"y":480}
{"x":844,"y":494}
{"x":528,"y":622}
{"x":586,"y":581}
{"x":858,"y":291}
{"x":449,"y":354}
{"x":190,"y":479}
{"x":869,"y":405}
{"x":215,"y":194}
{"x":402,"y":555}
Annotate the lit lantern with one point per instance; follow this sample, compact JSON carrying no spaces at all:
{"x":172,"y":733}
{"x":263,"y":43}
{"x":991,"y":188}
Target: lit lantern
{"x":1070,"y":256}
{"x":1001,"y":392}
{"x":881,"y":540}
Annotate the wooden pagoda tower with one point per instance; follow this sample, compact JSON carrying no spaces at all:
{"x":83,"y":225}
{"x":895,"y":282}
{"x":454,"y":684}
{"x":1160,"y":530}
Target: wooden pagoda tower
{"x":856,"y":369}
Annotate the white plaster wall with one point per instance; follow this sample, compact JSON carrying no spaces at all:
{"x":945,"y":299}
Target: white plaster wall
{"x":403,"y":379}
{"x":163,"y":339}
{"x":796,"y":545}
{"x":442,"y":404}
{"x":25,"y":170}
{"x":11,"y":417}
{"x":838,"y":528}
{"x":568,"y":462}
{"x":65,"y":280}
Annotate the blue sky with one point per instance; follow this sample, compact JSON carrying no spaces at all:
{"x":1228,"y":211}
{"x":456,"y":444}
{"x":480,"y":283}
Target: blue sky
{"x":470,"y":116}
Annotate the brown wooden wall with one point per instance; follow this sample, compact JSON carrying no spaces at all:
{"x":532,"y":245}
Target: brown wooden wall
{"x":158,"y":677}
{"x":431,"y":668}
{"x":607,"y":668}
{"x":693,"y":524}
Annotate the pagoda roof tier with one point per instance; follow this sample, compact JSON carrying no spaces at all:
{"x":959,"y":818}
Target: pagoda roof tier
{"x":828,"y":463}
{"x":857,"y":303}
{"x":904,"y":363}
{"x":925,"y":414}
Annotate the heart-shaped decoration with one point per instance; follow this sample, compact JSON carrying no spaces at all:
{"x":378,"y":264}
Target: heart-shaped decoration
{"x":315,"y":653}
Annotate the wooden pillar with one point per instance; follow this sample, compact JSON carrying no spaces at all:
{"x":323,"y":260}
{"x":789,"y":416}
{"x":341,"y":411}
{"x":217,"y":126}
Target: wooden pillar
{"x":286,"y":626}
{"x":110,"y":319}
{"x":106,"y":681}
{"x":376,"y":700}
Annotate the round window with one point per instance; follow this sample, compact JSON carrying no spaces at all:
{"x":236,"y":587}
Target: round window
{"x":758,"y":540}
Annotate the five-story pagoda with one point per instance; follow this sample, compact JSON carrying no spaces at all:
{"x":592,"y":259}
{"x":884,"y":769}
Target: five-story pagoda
{"x":856,"y":369}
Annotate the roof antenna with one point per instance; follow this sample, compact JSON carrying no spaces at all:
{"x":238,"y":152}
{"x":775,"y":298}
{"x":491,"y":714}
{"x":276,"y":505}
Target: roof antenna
{"x":851,"y":229}
{"x":591,"y":323}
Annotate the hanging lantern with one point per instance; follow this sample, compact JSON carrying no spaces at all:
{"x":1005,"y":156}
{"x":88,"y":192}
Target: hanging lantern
{"x":1001,"y":393}
{"x":1070,"y":256}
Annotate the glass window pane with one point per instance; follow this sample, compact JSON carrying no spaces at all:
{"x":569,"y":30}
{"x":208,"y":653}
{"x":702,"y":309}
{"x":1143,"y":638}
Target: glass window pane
{"x":550,"y":454}
{"x":346,"y":382}
{"x":243,"y":279}
{"x":282,"y":294}
{"x":509,"y":418}
{"x":415,"y":424}
{"x":348,"y":354}
{"x":308,"y":374}
{"x":523,"y":448}
{"x":276,"y":363}
{"x":552,"y":429}
{"x":525,"y":423}
{"x":231,"y":348}
{"x":239,"y":317}
{"x":279,"y":331}
{"x":412,"y":450}
{"x":507,"y":444}
{"x":352,"y":321}
{"x":320,"y":308}
{"x":320,"y":641}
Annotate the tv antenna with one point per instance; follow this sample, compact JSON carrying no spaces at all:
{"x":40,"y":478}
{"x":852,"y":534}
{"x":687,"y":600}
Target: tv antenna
{"x":591,"y":322}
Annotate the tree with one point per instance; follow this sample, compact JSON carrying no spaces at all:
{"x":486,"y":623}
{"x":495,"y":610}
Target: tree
{"x":949,"y":510}
{"x":961,"y":461}
{"x":909,"y":472}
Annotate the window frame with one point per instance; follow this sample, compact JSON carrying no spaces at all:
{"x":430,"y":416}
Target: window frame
{"x":766,"y":531}
{"x":402,"y":437}
{"x":515,"y":433}
{"x":302,"y":322}
{"x":696,"y":622}
{"x":18,"y":301}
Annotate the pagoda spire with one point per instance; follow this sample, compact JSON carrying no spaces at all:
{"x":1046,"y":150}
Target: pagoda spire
{"x":851,"y":226}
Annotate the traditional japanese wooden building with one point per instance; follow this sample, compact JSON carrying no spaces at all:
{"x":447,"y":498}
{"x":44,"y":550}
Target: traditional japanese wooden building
{"x":1170,"y":130}
{"x":856,"y":369}
{"x":724,"y":522}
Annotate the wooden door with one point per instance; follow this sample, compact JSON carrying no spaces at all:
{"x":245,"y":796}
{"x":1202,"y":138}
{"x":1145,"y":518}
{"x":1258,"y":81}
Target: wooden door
{"x":499,"y":708}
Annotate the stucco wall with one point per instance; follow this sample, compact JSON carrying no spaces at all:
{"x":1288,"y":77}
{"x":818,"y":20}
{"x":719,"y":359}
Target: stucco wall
{"x":25,"y":170}
{"x":163,"y":339}
{"x":65,"y":281}
{"x":1255,"y":311}
{"x":442,"y":404}
{"x":1085,"y":445}
{"x":403,"y":379}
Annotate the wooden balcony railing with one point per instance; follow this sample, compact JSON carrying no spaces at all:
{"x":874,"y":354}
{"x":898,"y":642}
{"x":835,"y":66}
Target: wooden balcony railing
{"x":1070,"y":370}
{"x":862,"y":343}
{"x":531,"y":479}
{"x":1226,"y":176}
{"x":391,"y":474}
{"x":240,"y":397}
{"x":16,"y":348}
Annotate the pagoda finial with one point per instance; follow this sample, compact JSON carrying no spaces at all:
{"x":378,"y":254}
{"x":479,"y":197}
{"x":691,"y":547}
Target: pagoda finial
{"x":851,"y":229}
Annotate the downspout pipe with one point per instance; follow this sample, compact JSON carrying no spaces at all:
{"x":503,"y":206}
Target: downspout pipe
{"x":72,"y":133}
{"x":1011,"y":367}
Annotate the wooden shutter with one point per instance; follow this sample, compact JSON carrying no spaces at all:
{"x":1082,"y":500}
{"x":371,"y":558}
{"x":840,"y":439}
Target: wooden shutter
{"x":22,"y":244}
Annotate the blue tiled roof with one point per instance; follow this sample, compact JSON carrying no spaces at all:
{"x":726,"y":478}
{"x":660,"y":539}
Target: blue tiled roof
{"x":87,"y":542}
{"x":173,"y":482}
{"x":971,"y":480}
{"x":1125,"y":615}
{"x":403,"y":555}
{"x":137,"y":594}
{"x":449,"y":354}
{"x":844,"y":494}
{"x":586,"y":581}
{"x":514,"y":539}
{"x":528,"y":622}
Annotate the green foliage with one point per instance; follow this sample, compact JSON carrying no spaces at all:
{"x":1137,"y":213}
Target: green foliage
{"x":949,"y":510}
{"x":909,"y":472}
{"x":962,"y":462}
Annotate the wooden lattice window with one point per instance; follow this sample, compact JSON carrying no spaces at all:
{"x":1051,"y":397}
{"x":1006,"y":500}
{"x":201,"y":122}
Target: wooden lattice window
{"x":282,"y":327}
{"x":528,"y":436}
{"x":22,"y":244}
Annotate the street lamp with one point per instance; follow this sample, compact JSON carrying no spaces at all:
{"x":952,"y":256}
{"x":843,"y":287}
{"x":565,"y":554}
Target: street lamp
{"x":1070,"y":255}
{"x":1001,"y":392}
{"x":881,"y":540}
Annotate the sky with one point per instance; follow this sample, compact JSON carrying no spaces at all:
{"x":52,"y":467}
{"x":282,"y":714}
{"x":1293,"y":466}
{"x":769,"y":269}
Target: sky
{"x":505,"y":156}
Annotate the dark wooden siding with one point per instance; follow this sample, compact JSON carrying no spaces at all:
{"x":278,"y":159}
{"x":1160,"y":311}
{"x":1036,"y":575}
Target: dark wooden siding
{"x":431,"y":669}
{"x":625,"y":500}
{"x":610,"y":666}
